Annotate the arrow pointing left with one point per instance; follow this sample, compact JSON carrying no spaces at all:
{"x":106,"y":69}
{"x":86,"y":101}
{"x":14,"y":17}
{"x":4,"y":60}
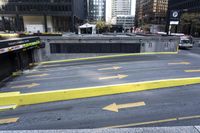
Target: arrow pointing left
{"x":25,"y":86}
{"x":115,"y":107}
{"x":8,"y":120}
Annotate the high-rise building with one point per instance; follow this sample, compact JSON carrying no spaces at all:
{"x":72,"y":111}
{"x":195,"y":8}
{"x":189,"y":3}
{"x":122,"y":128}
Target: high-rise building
{"x":117,"y":7}
{"x":138,"y":12}
{"x":42,"y":15}
{"x":126,"y":21}
{"x":190,"y":5}
{"x":108,"y":11}
{"x":121,"y":7}
{"x":96,"y":10}
{"x":151,"y":12}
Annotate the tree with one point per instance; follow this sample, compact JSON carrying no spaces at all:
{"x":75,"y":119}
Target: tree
{"x":190,"y":24}
{"x":100,"y":25}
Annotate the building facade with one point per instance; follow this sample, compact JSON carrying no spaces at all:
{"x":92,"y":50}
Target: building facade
{"x":42,"y":15}
{"x":187,"y":5}
{"x":151,"y":12}
{"x":190,"y":16}
{"x":126,"y":21}
{"x":138,"y":13}
{"x":121,"y":7}
{"x":96,"y":10}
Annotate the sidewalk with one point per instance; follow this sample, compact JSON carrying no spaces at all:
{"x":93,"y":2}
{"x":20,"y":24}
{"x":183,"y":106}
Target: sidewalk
{"x":188,"y":129}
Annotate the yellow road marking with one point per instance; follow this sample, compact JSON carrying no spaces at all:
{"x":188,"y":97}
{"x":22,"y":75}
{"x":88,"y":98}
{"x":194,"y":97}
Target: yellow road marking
{"x":73,"y":76}
{"x":143,"y":123}
{"x":18,"y":73}
{"x":53,"y":65}
{"x":192,"y":71}
{"x":37,"y":75}
{"x":189,"y":117}
{"x":25,"y":86}
{"x":115,"y":108}
{"x":88,"y":92}
{"x":155,"y":122}
{"x":114,"y":77}
{"x":9,"y":120}
{"x":110,"y":68}
{"x":89,"y":66}
{"x":9,"y":94}
{"x":105,"y":57}
{"x":179,"y":63}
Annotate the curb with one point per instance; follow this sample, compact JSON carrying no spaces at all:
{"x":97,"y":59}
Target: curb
{"x":103,"y":57}
{"x":17,"y":99}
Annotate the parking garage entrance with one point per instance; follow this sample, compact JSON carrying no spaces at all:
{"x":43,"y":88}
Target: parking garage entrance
{"x":16,"y":55}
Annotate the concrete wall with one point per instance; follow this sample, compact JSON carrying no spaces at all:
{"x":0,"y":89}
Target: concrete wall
{"x":148,"y":44}
{"x":196,"y":42}
{"x":159,"y":44}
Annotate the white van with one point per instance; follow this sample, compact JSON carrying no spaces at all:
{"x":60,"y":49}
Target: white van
{"x":185,"y":42}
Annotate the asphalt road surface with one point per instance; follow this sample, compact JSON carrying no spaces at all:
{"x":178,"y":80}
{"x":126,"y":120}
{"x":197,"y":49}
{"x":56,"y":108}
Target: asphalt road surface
{"x":179,"y":106}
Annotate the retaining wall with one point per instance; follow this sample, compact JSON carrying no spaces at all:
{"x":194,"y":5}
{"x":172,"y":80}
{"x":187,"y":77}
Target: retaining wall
{"x":196,"y":42}
{"x":146,"y":44}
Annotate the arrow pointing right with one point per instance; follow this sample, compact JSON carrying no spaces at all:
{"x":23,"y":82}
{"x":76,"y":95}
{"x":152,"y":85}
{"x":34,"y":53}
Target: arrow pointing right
{"x":110,"y":68}
{"x":180,"y":63}
{"x":114,"y":77}
{"x":192,"y":71}
{"x":25,"y":86}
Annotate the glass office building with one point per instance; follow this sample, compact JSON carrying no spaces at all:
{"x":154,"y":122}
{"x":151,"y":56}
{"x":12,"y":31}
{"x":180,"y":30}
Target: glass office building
{"x":96,"y":10}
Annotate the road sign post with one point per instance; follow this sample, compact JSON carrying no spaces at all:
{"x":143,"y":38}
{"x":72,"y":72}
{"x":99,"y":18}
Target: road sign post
{"x":174,"y":19}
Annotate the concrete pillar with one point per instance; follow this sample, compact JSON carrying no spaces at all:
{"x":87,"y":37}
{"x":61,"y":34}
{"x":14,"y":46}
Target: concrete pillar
{"x":45,"y":23}
{"x":17,"y":23}
{"x":3,"y":23}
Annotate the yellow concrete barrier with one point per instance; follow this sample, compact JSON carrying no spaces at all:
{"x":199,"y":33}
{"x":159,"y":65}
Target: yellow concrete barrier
{"x":69,"y":94}
{"x":104,"y":57}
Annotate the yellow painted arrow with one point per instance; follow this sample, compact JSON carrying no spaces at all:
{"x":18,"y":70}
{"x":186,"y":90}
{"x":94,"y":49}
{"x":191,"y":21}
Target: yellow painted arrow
{"x":8,"y":107}
{"x":37,"y":75}
{"x":192,"y":71}
{"x":25,"y":86}
{"x":179,"y":63}
{"x":9,"y":120}
{"x":115,"y":108}
{"x":110,"y":68}
{"x":114,"y":77}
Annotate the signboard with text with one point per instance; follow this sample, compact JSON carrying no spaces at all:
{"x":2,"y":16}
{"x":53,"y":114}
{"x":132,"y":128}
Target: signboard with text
{"x":13,"y":45}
